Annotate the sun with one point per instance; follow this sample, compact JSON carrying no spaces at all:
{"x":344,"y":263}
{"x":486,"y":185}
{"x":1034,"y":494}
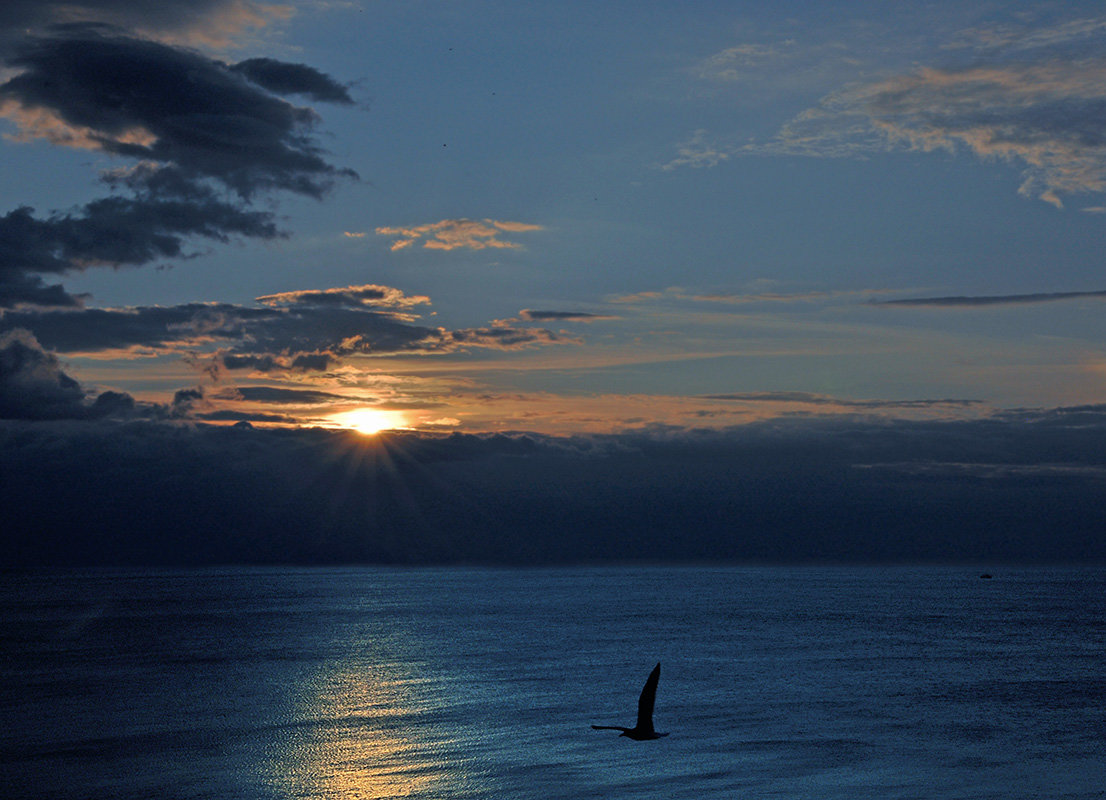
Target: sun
{"x":369,"y":420}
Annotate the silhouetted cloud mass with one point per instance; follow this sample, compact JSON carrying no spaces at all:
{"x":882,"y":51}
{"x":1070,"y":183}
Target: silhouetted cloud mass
{"x":1024,"y":486}
{"x":33,"y":386}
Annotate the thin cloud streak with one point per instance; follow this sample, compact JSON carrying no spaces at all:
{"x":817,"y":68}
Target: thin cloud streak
{"x":970,"y":301}
{"x":743,"y":297}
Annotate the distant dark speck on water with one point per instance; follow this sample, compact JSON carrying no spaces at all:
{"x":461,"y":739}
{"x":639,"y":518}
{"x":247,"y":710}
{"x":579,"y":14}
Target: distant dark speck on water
{"x":986,"y":576}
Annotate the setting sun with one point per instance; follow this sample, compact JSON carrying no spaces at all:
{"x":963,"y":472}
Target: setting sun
{"x":370,"y":420}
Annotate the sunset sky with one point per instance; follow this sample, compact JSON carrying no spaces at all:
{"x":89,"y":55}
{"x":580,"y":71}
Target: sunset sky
{"x":561,"y":218}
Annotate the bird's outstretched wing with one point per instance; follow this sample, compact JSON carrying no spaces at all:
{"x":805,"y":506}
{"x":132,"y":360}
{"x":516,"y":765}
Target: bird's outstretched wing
{"x":646,"y":701}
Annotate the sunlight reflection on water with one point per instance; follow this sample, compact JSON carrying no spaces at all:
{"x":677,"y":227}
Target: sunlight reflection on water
{"x":376,"y":730}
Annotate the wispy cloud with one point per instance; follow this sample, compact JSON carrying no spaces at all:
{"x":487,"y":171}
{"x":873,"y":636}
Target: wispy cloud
{"x":698,"y":152}
{"x":1033,"y":97}
{"x":452,"y":234}
{"x":734,"y":63}
{"x":1020,"y":38}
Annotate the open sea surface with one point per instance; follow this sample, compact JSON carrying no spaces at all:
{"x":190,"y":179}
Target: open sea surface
{"x":821,"y":683}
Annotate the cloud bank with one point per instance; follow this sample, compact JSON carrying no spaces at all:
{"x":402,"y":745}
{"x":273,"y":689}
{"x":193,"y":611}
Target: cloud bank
{"x":1025,"y":487}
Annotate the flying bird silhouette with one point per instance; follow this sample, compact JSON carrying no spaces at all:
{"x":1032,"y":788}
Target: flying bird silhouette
{"x":644,"y":728}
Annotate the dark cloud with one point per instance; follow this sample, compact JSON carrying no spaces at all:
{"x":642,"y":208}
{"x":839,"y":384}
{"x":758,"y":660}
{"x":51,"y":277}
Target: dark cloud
{"x":185,"y":402}
{"x":273,"y":394}
{"x":284,"y":78}
{"x":256,"y":363}
{"x":113,"y":231}
{"x":999,"y":489}
{"x":498,"y":337}
{"x":194,"y":126}
{"x":312,"y":362}
{"x":19,"y":288}
{"x":114,"y":405}
{"x":32,"y":383}
{"x":155,"y":102}
{"x":33,"y":386}
{"x":169,"y":328}
{"x":227,"y":415}
{"x":207,"y":19}
{"x":253,"y":338}
{"x":289,"y":334}
{"x":532,"y":315}
{"x":962,"y":301}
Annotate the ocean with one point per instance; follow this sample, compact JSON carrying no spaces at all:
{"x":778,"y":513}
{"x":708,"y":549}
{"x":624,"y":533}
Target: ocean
{"x":777,"y":682}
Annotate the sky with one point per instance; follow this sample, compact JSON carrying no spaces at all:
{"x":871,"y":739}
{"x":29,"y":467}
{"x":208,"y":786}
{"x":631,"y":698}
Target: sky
{"x":554,"y":220}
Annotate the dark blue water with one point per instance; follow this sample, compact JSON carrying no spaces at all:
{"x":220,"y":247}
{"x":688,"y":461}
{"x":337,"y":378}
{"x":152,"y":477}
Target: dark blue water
{"x":374,"y":683}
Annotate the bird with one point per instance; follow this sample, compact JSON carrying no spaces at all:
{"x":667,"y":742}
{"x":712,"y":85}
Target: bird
{"x":644,"y":728}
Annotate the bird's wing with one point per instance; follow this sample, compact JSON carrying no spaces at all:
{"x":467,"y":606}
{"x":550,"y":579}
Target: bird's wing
{"x":647,"y":699}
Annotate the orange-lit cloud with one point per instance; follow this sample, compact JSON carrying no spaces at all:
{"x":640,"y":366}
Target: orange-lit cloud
{"x":43,"y":123}
{"x":369,"y":294}
{"x":452,"y":234}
